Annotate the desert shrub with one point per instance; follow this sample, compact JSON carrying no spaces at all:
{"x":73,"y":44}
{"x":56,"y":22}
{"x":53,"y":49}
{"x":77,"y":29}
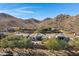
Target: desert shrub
{"x":16,"y":41}
{"x":74,"y":42}
{"x":42,"y":29}
{"x":25,"y":42}
{"x":39,"y":30}
{"x":4,"y":43}
{"x":55,"y":44}
{"x":44,"y":40}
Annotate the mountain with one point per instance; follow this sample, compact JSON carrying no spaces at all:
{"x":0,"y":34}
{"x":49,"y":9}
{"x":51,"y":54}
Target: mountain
{"x":62,"y":21}
{"x":48,"y":19}
{"x":72,"y":24}
{"x":31,"y":23}
{"x":7,"y":21}
{"x":69,"y":23}
{"x":54,"y":22}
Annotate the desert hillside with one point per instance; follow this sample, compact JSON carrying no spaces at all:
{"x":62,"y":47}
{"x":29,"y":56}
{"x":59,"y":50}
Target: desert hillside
{"x":62,"y":21}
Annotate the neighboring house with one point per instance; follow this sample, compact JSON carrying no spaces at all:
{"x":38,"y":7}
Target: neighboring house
{"x":26,"y":31}
{"x":37,"y":37}
{"x":61,"y":36}
{"x":53,"y":30}
{"x":11,"y":29}
{"x":2,"y":34}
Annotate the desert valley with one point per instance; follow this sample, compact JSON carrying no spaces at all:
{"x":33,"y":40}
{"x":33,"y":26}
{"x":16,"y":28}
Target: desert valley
{"x":30,"y":37}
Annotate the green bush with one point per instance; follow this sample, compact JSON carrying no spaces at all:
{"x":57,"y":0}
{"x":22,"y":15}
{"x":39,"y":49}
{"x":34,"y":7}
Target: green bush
{"x":42,"y":29}
{"x":54,"y":44}
{"x":25,"y":42}
{"x":16,"y":41}
{"x":74,"y":42}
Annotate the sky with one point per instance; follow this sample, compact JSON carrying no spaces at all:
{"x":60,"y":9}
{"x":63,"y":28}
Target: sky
{"x":39,"y":10}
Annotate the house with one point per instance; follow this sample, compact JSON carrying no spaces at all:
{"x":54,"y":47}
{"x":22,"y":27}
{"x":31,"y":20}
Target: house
{"x":53,"y":30}
{"x":11,"y":29}
{"x":61,"y":36}
{"x":27,"y":31}
{"x":38,"y":37}
{"x":2,"y":35}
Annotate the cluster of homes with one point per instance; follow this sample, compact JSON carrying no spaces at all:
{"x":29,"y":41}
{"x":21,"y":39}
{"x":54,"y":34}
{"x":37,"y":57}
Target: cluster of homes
{"x":29,"y":30}
{"x":54,"y":32}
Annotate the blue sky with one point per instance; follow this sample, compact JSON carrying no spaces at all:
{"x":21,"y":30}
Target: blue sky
{"x":39,"y":10}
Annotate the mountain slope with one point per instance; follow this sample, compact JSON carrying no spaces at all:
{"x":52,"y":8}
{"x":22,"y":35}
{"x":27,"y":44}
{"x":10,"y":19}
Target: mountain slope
{"x":7,"y":21}
{"x":62,"y":21}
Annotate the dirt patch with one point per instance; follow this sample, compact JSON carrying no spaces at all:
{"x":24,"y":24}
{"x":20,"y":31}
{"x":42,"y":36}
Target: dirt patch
{"x":36,"y":52}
